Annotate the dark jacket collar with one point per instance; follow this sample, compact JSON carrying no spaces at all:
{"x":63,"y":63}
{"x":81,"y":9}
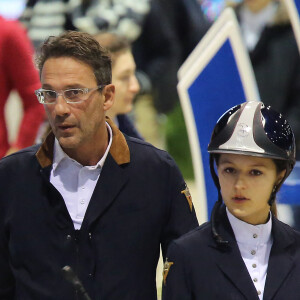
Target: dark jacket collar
{"x":282,"y":257}
{"x":229,"y":259}
{"x":280,"y":264}
{"x":281,"y":235}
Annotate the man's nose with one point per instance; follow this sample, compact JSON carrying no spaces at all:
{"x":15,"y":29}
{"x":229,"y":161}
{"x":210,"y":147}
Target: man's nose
{"x":61,"y":106}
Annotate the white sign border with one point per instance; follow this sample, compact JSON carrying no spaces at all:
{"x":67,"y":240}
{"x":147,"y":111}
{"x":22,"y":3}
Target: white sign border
{"x":226,"y":27}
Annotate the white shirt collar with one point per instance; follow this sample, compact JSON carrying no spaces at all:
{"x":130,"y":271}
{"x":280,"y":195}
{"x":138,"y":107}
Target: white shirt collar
{"x":244,"y":232}
{"x":60,"y":155}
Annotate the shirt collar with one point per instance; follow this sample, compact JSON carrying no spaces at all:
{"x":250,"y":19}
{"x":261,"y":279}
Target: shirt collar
{"x":60,"y":155}
{"x":244,"y":232}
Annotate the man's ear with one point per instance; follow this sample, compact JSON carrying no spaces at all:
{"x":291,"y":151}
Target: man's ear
{"x":109,"y":96}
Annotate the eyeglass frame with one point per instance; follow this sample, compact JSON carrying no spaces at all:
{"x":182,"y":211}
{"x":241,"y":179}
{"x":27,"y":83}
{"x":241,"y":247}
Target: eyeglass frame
{"x":62,"y":93}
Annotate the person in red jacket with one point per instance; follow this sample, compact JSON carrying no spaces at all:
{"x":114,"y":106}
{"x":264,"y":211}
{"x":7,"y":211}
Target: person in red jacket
{"x":17,"y":72}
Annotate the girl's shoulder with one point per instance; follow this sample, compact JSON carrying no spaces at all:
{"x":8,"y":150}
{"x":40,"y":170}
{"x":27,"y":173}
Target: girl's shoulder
{"x":201,"y":235}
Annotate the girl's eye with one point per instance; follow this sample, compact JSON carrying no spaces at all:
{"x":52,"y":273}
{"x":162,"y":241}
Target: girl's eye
{"x":229,"y":170}
{"x":255,"y":172}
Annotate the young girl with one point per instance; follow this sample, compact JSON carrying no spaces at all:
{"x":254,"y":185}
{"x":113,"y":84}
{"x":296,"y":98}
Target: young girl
{"x":244,"y":252}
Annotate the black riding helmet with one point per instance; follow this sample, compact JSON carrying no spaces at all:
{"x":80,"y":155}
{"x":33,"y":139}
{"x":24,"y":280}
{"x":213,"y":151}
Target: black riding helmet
{"x":251,"y":128}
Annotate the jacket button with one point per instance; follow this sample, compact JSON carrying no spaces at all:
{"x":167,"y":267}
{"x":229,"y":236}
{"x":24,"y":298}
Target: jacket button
{"x":69,"y":237}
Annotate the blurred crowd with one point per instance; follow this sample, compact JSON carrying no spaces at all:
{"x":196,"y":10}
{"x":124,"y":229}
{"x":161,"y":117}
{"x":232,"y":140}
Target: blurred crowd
{"x":160,"y":35}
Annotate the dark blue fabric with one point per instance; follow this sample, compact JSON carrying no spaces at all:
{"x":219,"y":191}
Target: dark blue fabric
{"x":127,"y":127}
{"x":203,"y":270}
{"x":135,"y":208}
{"x":216,"y":89}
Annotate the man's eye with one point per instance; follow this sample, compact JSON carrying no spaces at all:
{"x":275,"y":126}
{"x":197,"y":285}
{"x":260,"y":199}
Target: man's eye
{"x":49,"y":94}
{"x":73,"y":93}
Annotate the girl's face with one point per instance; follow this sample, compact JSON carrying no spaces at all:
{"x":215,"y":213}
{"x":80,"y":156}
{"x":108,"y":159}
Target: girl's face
{"x":246,"y":185}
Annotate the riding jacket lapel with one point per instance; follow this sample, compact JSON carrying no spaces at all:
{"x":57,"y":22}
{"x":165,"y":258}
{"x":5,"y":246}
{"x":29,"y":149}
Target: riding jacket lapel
{"x":230,"y":262}
{"x":112,"y":177}
{"x":281,"y":261}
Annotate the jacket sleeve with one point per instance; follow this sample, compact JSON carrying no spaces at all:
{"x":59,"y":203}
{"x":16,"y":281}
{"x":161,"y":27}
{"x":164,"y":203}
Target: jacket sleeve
{"x":180,"y":213}
{"x":175,"y":280}
{"x":7,"y":281}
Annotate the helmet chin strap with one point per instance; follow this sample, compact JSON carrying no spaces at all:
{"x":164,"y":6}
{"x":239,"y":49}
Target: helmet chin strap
{"x":273,"y":195}
{"x":277,"y":186}
{"x":217,"y":237}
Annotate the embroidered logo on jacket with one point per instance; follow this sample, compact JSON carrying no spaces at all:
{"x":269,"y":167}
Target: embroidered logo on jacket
{"x":167,"y":266}
{"x":188,"y":197}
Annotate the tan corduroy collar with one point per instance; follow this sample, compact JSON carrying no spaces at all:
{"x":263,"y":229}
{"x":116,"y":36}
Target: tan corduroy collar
{"x":119,"y":149}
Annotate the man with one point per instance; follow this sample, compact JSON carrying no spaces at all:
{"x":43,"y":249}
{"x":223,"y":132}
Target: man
{"x":124,"y":80}
{"x":87,"y":197}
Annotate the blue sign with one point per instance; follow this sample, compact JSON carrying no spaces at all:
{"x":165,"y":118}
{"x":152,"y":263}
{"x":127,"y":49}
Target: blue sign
{"x":289,"y":192}
{"x":217,"y":88}
{"x":293,"y":8}
{"x":216,"y":76}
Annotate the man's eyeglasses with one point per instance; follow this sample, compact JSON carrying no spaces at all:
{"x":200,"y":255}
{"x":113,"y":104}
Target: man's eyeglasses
{"x":70,"y":95}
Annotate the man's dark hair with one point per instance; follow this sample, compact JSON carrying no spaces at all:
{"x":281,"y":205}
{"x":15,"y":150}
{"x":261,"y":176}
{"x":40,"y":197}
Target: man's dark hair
{"x":80,"y":46}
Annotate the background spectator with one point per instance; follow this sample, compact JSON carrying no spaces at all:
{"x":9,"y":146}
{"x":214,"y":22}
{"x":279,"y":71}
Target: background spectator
{"x":189,"y":25}
{"x":273,"y":51}
{"x":274,"y":54}
{"x":44,"y":18}
{"x":124,"y":79}
{"x":17,"y":72}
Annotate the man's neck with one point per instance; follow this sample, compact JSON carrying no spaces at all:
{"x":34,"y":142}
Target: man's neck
{"x":90,"y":154}
{"x":87,"y":157}
{"x":112,"y":115}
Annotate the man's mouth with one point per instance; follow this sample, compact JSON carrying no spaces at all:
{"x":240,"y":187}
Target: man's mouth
{"x":65,"y":127}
